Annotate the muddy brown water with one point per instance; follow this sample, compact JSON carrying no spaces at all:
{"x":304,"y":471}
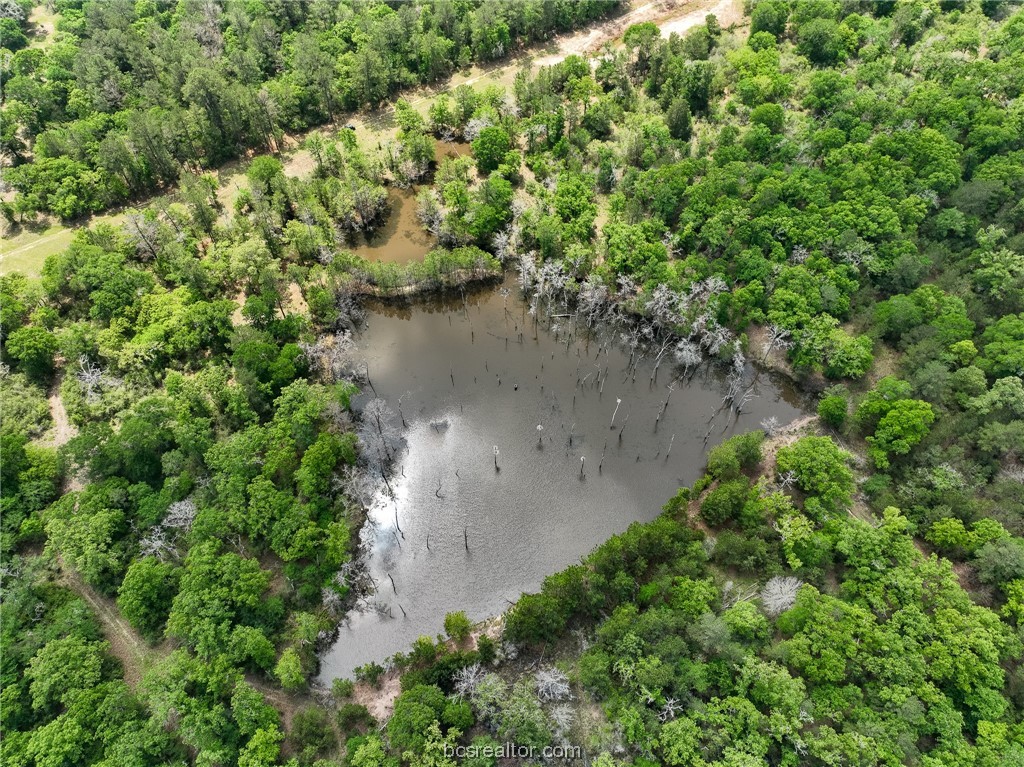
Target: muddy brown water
{"x":467,"y":383}
{"x":402,"y":238}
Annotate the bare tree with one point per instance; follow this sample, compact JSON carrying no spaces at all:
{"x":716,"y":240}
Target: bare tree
{"x":9,"y":9}
{"x":379,"y":438}
{"x":770,"y":426}
{"x":688,"y":354}
{"x":670,"y":710}
{"x":360,"y":486}
{"x":472,"y":130}
{"x":331,"y":355}
{"x":552,"y":685}
{"x":93,"y":380}
{"x":778,"y":338}
{"x":563,"y":716}
{"x":467,"y":679}
{"x":787,"y":479}
{"x":779,"y":594}
{"x":142,"y":231}
{"x":502,"y":243}
{"x":159,"y":541}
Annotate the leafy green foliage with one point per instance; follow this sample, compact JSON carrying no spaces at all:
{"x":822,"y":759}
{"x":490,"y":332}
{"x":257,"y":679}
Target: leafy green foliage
{"x":724,"y":503}
{"x":145,"y":594}
{"x":820,"y":470}
{"x":489,"y":148}
{"x":457,"y":625}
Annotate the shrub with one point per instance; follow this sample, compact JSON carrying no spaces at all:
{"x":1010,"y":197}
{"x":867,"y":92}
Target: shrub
{"x":311,"y":733}
{"x":457,"y":625}
{"x":833,"y":410}
{"x":354,"y":716}
{"x":415,"y":710}
{"x":370,"y":673}
{"x":724,"y":503}
{"x":536,"y":617}
{"x":487,"y":649}
{"x":595,"y":672}
{"x":342,"y":688}
{"x":740,"y":452}
{"x":747,"y":553}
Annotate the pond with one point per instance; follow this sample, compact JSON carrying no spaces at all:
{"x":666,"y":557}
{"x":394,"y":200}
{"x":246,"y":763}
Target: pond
{"x":468,"y":374}
{"x":402,"y":238}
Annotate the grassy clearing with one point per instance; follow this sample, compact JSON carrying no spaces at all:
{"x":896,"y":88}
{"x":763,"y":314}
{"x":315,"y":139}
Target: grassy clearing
{"x":27,"y":251}
{"x":43,"y":20}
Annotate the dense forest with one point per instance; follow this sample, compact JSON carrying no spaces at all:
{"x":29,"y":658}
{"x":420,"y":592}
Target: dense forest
{"x":833,"y":189}
{"x":130,"y":95}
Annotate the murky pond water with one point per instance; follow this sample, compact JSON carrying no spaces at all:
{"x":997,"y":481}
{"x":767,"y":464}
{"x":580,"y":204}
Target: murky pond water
{"x":475,"y":374}
{"x":402,"y":238}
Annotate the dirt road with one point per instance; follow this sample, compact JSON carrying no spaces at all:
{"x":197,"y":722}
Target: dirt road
{"x":125,"y":645}
{"x":677,"y":16}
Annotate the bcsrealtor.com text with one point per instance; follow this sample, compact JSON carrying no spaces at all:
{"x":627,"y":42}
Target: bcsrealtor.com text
{"x":514,"y":751}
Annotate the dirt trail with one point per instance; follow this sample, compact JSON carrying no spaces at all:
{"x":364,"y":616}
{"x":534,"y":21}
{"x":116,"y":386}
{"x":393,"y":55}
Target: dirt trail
{"x":137,"y":656}
{"x":728,"y":12}
{"x":62,"y":430}
{"x":34,"y":244}
{"x":125,"y":645}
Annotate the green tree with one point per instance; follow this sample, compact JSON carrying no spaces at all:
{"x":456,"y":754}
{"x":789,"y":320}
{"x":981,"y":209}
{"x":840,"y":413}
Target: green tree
{"x":490,"y":147}
{"x":262,"y":750}
{"x":769,"y":16}
{"x":33,"y":347}
{"x":833,"y":409}
{"x":819,"y":469}
{"x":906,"y":424}
{"x":724,"y":503}
{"x":680,"y":743}
{"x":62,"y":670}
{"x":820,"y":41}
{"x":677,"y":116}
{"x":457,"y":625}
{"x":415,"y":711}
{"x":1003,"y":347}
{"x":289,"y":670}
{"x":145,"y":595}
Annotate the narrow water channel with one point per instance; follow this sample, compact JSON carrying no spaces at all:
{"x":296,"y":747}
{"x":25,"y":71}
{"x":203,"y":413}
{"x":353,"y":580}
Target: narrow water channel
{"x":475,"y":373}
